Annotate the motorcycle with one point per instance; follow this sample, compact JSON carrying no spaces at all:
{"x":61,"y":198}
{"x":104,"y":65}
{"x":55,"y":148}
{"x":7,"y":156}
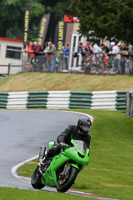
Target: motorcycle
{"x":62,"y":170}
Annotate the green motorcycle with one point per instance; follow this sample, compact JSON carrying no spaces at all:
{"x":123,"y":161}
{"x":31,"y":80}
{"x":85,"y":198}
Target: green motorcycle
{"x":62,"y":170}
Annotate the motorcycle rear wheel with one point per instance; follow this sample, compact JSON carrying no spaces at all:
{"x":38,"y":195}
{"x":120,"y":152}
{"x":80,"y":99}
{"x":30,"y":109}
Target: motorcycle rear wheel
{"x":68,"y":182}
{"x":36,"y":180}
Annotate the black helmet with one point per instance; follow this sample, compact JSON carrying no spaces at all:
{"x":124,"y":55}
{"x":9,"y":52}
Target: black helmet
{"x":84,"y":124}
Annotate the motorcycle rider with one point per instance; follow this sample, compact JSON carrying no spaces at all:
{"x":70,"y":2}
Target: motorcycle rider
{"x":79,"y":132}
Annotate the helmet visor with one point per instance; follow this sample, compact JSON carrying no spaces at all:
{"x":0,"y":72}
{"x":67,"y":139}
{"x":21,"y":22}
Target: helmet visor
{"x":85,"y":128}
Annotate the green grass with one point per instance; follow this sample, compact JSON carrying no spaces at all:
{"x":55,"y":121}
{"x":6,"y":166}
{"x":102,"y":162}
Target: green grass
{"x":17,"y":194}
{"x":35,"y":81}
{"x":110,"y":172}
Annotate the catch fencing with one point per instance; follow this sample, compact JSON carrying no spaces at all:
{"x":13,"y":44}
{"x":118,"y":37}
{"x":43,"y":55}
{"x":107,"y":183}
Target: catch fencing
{"x":107,"y":100}
{"x":92,"y":64}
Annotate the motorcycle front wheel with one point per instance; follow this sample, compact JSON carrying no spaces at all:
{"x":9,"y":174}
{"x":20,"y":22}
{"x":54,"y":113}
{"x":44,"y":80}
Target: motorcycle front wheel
{"x":36,"y":180}
{"x":66,"y":182}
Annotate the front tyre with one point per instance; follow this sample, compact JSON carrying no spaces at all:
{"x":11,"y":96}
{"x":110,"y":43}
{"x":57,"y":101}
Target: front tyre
{"x":66,"y":183}
{"x":36,"y":180}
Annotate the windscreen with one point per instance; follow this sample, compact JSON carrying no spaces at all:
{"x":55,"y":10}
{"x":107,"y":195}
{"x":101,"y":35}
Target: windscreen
{"x":81,"y":145}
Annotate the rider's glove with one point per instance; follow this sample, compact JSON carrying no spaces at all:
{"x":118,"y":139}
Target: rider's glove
{"x":40,"y":163}
{"x":63,"y":145}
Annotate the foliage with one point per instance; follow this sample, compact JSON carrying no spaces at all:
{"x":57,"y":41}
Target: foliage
{"x":56,"y":10}
{"x":112,"y":18}
{"x":12,"y":16}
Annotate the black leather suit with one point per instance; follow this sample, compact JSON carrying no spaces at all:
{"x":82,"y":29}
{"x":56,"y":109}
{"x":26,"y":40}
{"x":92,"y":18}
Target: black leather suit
{"x":65,"y":137}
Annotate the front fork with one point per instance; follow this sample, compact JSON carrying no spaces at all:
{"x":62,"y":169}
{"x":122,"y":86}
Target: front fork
{"x":41,"y":173}
{"x":67,"y":167}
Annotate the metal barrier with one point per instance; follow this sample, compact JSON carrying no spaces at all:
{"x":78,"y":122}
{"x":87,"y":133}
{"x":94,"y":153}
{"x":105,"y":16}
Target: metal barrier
{"x":108,"y":64}
{"x":13,"y":64}
{"x":7,"y":70}
{"x":90,"y":64}
{"x":42,"y":63}
{"x":129,"y":109}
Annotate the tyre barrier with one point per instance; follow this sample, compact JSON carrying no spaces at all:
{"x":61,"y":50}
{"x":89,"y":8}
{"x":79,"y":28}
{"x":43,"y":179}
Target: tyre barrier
{"x":108,"y":100}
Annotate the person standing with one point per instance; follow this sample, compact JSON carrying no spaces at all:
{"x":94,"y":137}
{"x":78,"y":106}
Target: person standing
{"x":52,"y":52}
{"x":115,"y":52}
{"x":29,"y":51}
{"x":82,"y":49}
{"x":36,"y":48}
{"x":66,"y":51}
{"x":47,"y":57}
{"x":97,"y":56}
{"x":96,"y":49}
{"x":38,"y":61}
{"x":105,"y":51}
{"x":124,"y":57}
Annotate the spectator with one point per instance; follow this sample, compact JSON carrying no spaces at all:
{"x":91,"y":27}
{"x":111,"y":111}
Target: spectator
{"x":52,"y":52}
{"x":89,"y":48}
{"x":80,"y":44}
{"x":38,"y":60}
{"x":82,"y":50}
{"x":115,"y":52}
{"x":124,"y":56}
{"x":95,"y":48}
{"x":47,"y":57}
{"x":104,"y":48}
{"x":66,"y":51}
{"x":29,"y":51}
{"x":36,"y":48}
{"x":130,"y":49}
{"x":105,"y":51}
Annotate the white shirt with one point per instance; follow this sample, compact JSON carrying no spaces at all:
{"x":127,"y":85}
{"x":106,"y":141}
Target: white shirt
{"x":115,"y":50}
{"x":96,"y":49}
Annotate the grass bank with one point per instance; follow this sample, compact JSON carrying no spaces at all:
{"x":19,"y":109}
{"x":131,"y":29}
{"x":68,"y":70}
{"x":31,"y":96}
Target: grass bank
{"x":17,"y":194}
{"x":110,"y":172}
{"x":75,"y":82}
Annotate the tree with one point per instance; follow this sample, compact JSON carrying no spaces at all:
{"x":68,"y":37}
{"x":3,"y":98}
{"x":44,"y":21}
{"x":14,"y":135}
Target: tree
{"x":106,"y":18}
{"x":12,"y":16}
{"x":55,"y":7}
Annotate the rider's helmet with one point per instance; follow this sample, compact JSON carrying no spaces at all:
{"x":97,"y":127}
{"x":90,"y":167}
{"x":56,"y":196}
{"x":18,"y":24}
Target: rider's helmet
{"x":84,"y":124}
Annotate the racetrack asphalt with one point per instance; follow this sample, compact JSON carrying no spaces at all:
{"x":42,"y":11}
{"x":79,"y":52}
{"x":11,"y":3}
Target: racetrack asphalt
{"x":22,"y":132}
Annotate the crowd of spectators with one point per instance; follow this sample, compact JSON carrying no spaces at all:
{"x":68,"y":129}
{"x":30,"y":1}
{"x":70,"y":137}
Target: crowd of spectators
{"x":112,"y":58}
{"x":48,"y":55}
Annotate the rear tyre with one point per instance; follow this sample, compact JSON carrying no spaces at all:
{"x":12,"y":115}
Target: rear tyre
{"x":67,"y":181}
{"x":36,"y":180}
